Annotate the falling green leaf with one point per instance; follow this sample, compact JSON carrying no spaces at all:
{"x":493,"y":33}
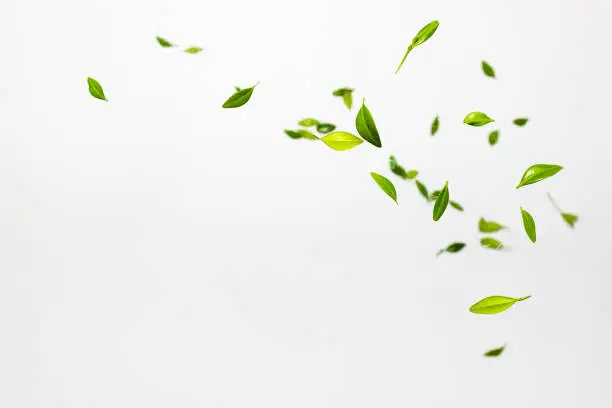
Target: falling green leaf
{"x":300,"y":134}
{"x":164,"y":43}
{"x":493,"y":137}
{"x":456,"y":205}
{"x":341,"y":141}
{"x":489,"y":227}
{"x":488,"y":69}
{"x":529,"y":224}
{"x":240,"y":97}
{"x":237,"y":88}
{"x":491,"y":243}
{"x":570,"y":218}
{"x":308,"y":122}
{"x":411,"y":174}
{"x":95,"y":89}
{"x":325,"y":127}
{"x":495,"y":352}
{"x":477,"y":119}
{"x":347,"y":96}
{"x":193,"y":50}
{"x":521,"y":121}
{"x":423,"y":35}
{"x":441,"y":203}
{"x":399,"y":170}
{"x":385,"y":185}
{"x":293,"y":134}
{"x":494,"y":304}
{"x":422,"y":189}
{"x":538,"y":172}
{"x":366,"y":126}
{"x":435,"y":125}
{"x":452,"y":248}
{"x":433,"y":196}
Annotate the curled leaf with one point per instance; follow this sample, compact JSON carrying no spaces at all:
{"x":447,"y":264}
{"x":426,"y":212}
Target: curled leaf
{"x":569,"y":218}
{"x":239,"y":98}
{"x":385,"y":185}
{"x":489,"y":226}
{"x":341,"y":141}
{"x":477,"y":119}
{"x":325,"y":127}
{"x":538,"y":172}
{"x":529,"y":224}
{"x":366,"y":126}
{"x":347,"y":96}
{"x":495,"y":304}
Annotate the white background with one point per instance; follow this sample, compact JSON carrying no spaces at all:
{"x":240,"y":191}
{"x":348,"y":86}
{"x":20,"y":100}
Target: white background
{"x":158,"y":251}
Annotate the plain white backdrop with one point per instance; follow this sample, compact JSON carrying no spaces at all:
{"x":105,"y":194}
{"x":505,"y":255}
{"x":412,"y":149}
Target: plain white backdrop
{"x":158,"y":251}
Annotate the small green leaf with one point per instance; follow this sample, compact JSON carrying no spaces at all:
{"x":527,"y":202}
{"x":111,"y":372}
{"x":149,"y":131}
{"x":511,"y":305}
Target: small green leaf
{"x":488,"y":70}
{"x":495,"y":352}
{"x":347,"y":96}
{"x":491,"y":243}
{"x":489,"y":227}
{"x":308,"y":122}
{"x":435,"y":125}
{"x":433,"y":196}
{"x":529,"y":224}
{"x":477,"y":119}
{"x":239,"y":98}
{"x":493,"y":137}
{"x":293,"y":134}
{"x":396,"y":168}
{"x":193,"y":50}
{"x":423,"y":35}
{"x":325,"y":127}
{"x":441,"y":203}
{"x":300,"y":134}
{"x":164,"y":43}
{"x":422,"y":189}
{"x":570,"y":218}
{"x":341,"y":141}
{"x":456,"y":205}
{"x":411,"y":174}
{"x":538,"y":172}
{"x":366,"y":126}
{"x":95,"y":89}
{"x":495,"y":304}
{"x":385,"y":185}
{"x":521,"y":121}
{"x":452,"y":248}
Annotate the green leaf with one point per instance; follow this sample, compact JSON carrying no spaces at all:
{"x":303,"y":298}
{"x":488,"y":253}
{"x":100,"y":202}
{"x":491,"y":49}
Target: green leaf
{"x":477,"y":119}
{"x":452,"y":248}
{"x":325,"y":127}
{"x":341,"y":141}
{"x":570,"y":218}
{"x":422,"y":189}
{"x":164,"y":43}
{"x":491,"y":243}
{"x":435,"y":125}
{"x":342,"y":91}
{"x":538,"y":172}
{"x":488,"y":70}
{"x":495,"y":304}
{"x":300,"y":134}
{"x":529,"y":224}
{"x":520,"y":121}
{"x":433,"y":196}
{"x":366,"y":126}
{"x":347,"y":96}
{"x":411,"y":174}
{"x":193,"y":50}
{"x":423,"y":35}
{"x":495,"y":352}
{"x":493,"y":137}
{"x":237,"y":88}
{"x":239,"y":98}
{"x":396,"y":168}
{"x":293,"y":134}
{"x":385,"y":185}
{"x":456,"y":205}
{"x":308,"y":122}
{"x":441,"y":203}
{"x":489,"y":227}
{"x":95,"y":89}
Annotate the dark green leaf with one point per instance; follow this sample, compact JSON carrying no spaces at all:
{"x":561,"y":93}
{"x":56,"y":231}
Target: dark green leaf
{"x":239,"y":98}
{"x":325,"y":127}
{"x":193,"y":50}
{"x":452,"y":248}
{"x":293,"y":134}
{"x":341,"y":141}
{"x":422,"y":189}
{"x":488,"y":70}
{"x":538,"y":172}
{"x":308,"y":122}
{"x":366,"y":126}
{"x":521,"y":121}
{"x":570,"y":218}
{"x":164,"y":43}
{"x":396,"y":168}
{"x":489,"y":226}
{"x":456,"y":205}
{"x":423,"y":35}
{"x":441,"y":203}
{"x":95,"y":89}
{"x":435,"y":125}
{"x":494,"y":304}
{"x":495,"y":352}
{"x":493,"y":137}
{"x":477,"y":119}
{"x":529,"y":224}
{"x":491,"y":243}
{"x":385,"y":185}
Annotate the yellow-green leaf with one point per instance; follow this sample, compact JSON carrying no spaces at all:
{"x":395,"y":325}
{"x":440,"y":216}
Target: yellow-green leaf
{"x":529,"y":224}
{"x":366,"y":127}
{"x":489,"y":226}
{"x":441,"y":203}
{"x":164,"y":43}
{"x":423,"y":35}
{"x":538,"y":172}
{"x":385,"y":185}
{"x":308,"y":122}
{"x":477,"y":119}
{"x":493,"y":137}
{"x":495,"y":304}
{"x":491,"y":243}
{"x":570,"y":218}
{"x":193,"y":50}
{"x":240,"y":97}
{"x":341,"y":141}
{"x":95,"y":89}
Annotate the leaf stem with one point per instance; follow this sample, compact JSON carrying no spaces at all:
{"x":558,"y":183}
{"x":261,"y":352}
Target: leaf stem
{"x":552,"y":201}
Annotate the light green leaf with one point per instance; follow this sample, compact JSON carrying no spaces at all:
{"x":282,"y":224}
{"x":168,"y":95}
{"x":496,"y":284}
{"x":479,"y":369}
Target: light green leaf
{"x":570,"y":218}
{"x":164,"y":43}
{"x":477,"y":119}
{"x":493,"y":137}
{"x":452,"y":248}
{"x":489,"y":226}
{"x":308,"y":122}
{"x":488,"y":69}
{"x":95,"y":89}
{"x":240,"y":97}
{"x":456,"y":205}
{"x":341,"y":141}
{"x":422,"y":189}
{"x":423,"y":35}
{"x":342,"y":91}
{"x":435,"y":125}
{"x":495,"y":352}
{"x":538,"y":172}
{"x":521,"y":121}
{"x":347,"y":96}
{"x":529,"y":224}
{"x":411,"y":174}
{"x":491,"y":243}
{"x":193,"y":50}
{"x":441,"y":203}
{"x":385,"y":185}
{"x":495,"y":304}
{"x":366,"y":126}
{"x":325,"y":127}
